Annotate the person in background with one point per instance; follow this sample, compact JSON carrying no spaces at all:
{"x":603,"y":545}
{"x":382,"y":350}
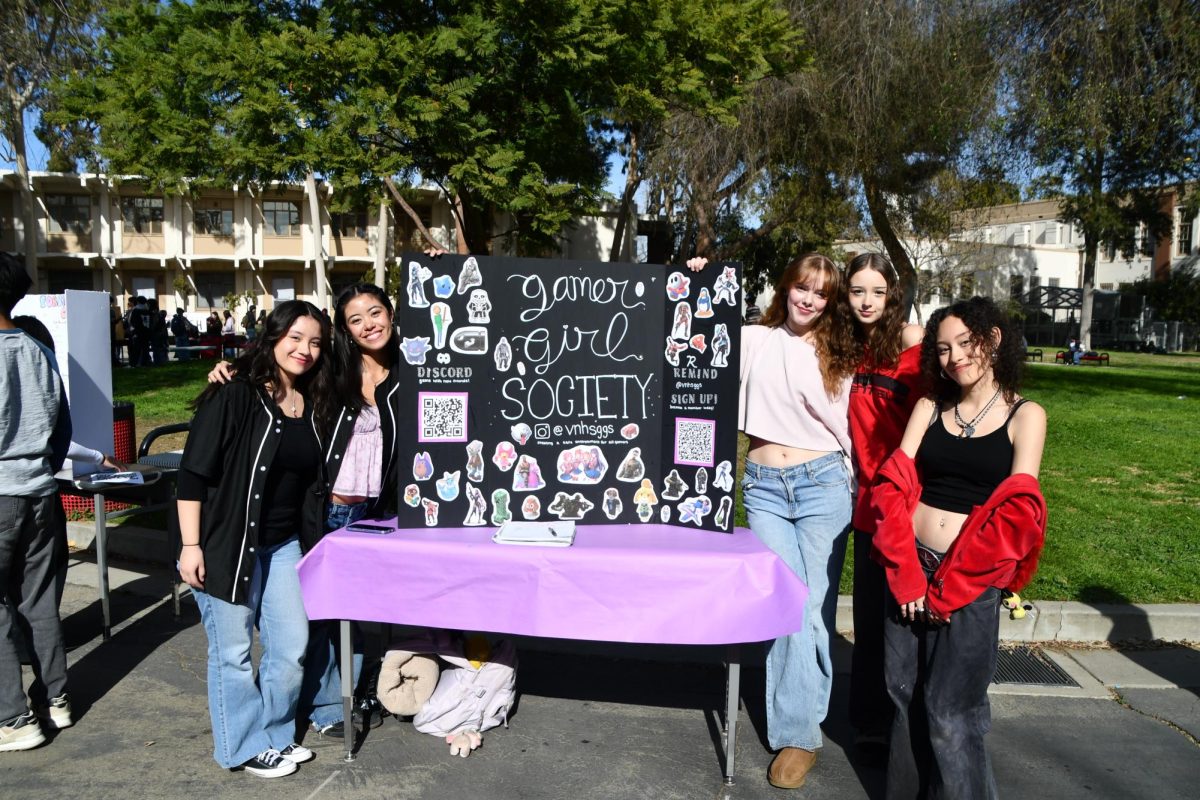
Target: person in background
{"x":179,"y":329}
{"x":248,"y":323}
{"x":228,"y":334}
{"x":160,"y":342}
{"x":886,"y":386}
{"x":251,"y":496}
{"x":212,"y":324}
{"x":959,"y":516}
{"x":35,"y":432}
{"x":137,"y":331}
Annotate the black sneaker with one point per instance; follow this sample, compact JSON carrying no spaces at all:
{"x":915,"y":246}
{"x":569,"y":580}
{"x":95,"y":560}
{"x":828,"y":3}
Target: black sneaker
{"x":297,"y":754}
{"x":334,"y":730}
{"x":269,"y":764}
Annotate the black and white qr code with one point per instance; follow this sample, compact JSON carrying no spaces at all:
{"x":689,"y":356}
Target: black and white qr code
{"x":695,"y":441}
{"x":443,"y":417}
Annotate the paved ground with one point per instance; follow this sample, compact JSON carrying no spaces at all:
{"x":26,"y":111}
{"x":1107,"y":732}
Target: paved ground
{"x":592,"y":722}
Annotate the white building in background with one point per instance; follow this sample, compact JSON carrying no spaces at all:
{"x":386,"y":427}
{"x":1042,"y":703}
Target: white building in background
{"x":117,"y":235}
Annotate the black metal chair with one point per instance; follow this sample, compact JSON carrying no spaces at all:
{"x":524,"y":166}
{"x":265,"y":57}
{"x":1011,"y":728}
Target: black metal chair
{"x":169,"y":463}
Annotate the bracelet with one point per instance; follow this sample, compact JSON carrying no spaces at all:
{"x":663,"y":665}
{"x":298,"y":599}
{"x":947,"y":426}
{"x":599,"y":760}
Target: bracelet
{"x":197,"y":544}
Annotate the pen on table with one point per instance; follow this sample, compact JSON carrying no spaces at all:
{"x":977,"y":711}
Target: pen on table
{"x":552,"y":531}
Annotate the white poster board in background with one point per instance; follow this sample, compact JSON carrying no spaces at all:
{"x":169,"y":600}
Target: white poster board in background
{"x":79,"y":324}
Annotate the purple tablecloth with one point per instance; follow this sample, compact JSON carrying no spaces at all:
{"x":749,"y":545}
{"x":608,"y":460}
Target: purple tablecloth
{"x":620,"y":583}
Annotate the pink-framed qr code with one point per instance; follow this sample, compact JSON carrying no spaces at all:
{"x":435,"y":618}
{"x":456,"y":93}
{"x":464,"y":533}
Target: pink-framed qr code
{"x":695,"y":441}
{"x":442,"y":416}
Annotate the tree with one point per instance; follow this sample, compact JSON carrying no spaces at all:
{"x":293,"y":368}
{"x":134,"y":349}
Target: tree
{"x":1177,"y":298}
{"x":42,"y":40}
{"x":1105,"y":101}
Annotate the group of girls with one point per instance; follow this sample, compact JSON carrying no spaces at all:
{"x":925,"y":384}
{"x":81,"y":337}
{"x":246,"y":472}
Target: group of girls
{"x":838,"y":391}
{"x":296,"y":438}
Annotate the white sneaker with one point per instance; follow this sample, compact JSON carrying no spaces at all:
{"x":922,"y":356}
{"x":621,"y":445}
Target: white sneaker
{"x":269,"y":764}
{"x":297,"y":754}
{"x":22,"y":733}
{"x":57,"y":715}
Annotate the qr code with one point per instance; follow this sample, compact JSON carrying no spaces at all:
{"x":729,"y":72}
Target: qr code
{"x":695,"y":441}
{"x":443,"y":417}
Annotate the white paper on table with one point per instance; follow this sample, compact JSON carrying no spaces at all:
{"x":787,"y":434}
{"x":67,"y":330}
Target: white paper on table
{"x":538,"y":534}
{"x":115,"y":478}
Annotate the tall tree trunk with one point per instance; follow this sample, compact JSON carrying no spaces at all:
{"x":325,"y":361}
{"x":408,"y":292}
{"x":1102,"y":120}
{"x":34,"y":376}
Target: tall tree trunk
{"x":1090,"y":246}
{"x":412,"y":214}
{"x":633,"y":178}
{"x":460,"y":227}
{"x":877,"y":205}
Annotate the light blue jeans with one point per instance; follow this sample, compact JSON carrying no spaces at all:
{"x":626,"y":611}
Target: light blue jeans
{"x":248,"y":715}
{"x":803,"y":514}
{"x":321,"y":694}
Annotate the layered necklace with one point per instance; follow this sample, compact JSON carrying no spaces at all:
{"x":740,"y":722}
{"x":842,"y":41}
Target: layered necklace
{"x":968,"y":428}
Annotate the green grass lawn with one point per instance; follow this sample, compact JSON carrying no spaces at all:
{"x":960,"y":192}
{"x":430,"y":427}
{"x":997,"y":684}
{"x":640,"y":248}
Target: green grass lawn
{"x":1119,"y":473}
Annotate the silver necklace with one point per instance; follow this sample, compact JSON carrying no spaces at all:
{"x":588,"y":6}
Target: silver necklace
{"x":968,"y":428}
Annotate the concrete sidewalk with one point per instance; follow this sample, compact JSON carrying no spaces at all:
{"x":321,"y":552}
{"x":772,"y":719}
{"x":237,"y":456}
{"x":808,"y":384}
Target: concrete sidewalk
{"x":594,"y":721}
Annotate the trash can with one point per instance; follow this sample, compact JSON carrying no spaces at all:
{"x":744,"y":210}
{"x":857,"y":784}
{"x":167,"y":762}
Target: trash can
{"x":124,"y":450}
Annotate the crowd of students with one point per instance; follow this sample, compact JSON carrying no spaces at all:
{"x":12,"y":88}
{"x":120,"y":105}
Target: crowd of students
{"x":915,"y":440}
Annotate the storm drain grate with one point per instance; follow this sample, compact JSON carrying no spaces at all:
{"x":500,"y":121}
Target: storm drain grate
{"x":1030,"y":666}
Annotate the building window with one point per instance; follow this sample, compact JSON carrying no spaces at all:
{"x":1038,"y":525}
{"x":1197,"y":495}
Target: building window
{"x":1051,"y":234}
{"x":1124,"y":287}
{"x":142,"y":214}
{"x":59,"y":280}
{"x":1026,"y":233}
{"x":211,"y":288}
{"x":407,"y":235}
{"x":1053,"y":283}
{"x":1183,"y":238}
{"x":1110,"y":251}
{"x":281,"y":218}
{"x":214,"y":221}
{"x":966,"y":285}
{"x":1016,"y":287}
{"x":1106,"y":287}
{"x":1148,"y":243}
{"x":350,"y":225}
{"x":70,"y":213}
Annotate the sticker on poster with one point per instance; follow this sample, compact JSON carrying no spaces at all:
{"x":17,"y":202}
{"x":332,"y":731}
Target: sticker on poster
{"x":447,"y":487}
{"x":673,"y":350}
{"x":721,"y":520}
{"x":521,"y":432}
{"x":630,"y":431}
{"x":441,"y":316}
{"x":612,"y":504}
{"x":701,"y":480}
{"x":665,"y":514}
{"x":417,"y":275}
{"x":475,"y":461}
{"x":469,"y":276}
{"x":500,"y":512}
{"x":720,"y":346}
{"x":443,"y":358}
{"x":443,"y":286}
{"x":704,"y":309}
{"x":678,"y":287}
{"x":723,"y":480}
{"x":726,"y":287}
{"x":422,"y":466}
{"x":695,"y":509}
{"x":505,"y":456}
{"x":479,"y":307}
{"x":697,"y":342}
{"x":476,"y":507}
{"x":471,"y":340}
{"x":585,"y":464}
{"x":431,"y":511}
{"x":695,"y":441}
{"x":566,"y":506}
{"x":412,"y":495}
{"x":632,"y":468}
{"x":503,"y":354}
{"x":673,"y":486}
{"x":681,"y":328}
{"x":527,"y":476}
{"x":531,"y":508}
{"x":443,"y":416}
{"x":414,"y":349}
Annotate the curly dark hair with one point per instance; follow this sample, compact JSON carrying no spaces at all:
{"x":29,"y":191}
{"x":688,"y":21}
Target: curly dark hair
{"x":883,"y":341}
{"x":838,"y":352}
{"x":346,"y":355}
{"x":259,"y":368}
{"x":981,"y":316}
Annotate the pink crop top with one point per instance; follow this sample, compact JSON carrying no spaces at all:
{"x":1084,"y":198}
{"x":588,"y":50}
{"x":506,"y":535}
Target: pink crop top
{"x":783,"y":399}
{"x":362,"y":465}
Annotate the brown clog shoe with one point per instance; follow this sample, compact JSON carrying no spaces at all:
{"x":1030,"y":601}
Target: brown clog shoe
{"x":791,"y":767}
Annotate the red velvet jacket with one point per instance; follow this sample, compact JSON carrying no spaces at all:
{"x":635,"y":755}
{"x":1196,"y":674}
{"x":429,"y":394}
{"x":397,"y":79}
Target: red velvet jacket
{"x":999,"y":544}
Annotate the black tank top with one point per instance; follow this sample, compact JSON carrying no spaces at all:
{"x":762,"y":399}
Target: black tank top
{"x":959,"y":474}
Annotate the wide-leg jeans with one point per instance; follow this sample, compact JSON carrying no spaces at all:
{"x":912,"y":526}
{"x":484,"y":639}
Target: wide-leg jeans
{"x":938,"y":677}
{"x":249,"y":715}
{"x":803,"y":514}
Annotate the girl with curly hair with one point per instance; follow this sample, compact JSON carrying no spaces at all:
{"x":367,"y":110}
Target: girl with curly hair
{"x":795,"y":385}
{"x":959,"y":517}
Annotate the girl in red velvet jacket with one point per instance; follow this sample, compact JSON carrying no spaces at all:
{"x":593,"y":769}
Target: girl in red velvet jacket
{"x":958,"y":516}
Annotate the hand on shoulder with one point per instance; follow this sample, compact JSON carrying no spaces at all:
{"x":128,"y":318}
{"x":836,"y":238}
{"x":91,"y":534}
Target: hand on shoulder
{"x":911,"y":335}
{"x":696,"y":264}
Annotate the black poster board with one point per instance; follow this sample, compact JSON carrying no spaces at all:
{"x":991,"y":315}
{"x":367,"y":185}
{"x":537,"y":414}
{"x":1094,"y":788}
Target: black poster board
{"x":543,"y":390}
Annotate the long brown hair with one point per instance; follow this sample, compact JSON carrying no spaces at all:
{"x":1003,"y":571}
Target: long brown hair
{"x":838,"y":352}
{"x":882,"y":342}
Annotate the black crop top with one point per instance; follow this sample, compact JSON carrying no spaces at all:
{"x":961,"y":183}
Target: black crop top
{"x":959,"y":474}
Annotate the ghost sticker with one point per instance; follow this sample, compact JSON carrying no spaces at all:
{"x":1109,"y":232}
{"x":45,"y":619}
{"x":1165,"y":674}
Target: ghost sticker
{"x":500,"y":512}
{"x":723,"y":480}
{"x":673,"y":350}
{"x":665,"y":514}
{"x":673,"y":486}
{"x":479,"y":307}
{"x":681,"y":328}
{"x":447,"y":487}
{"x":569,"y":506}
{"x":476,"y":507}
{"x":443,"y":286}
{"x":504,"y":456}
{"x":531,"y":508}
{"x":431,"y":511}
{"x":697,"y":342}
{"x":630,"y":431}
{"x":440,"y":315}
{"x":527,"y":476}
{"x":503,"y":354}
{"x":521,"y":432}
{"x":720,"y":346}
{"x":701,"y":480}
{"x":414,"y":349}
{"x":471,"y":340}
{"x":469,"y":276}
{"x":723,"y":513}
{"x":422,"y":466}
{"x":584,"y":464}
{"x":694,"y":509}
{"x":417,"y":275}
{"x":678,"y":286}
{"x":632,"y":468}
{"x":704,"y":308}
{"x":611,"y":504}
{"x":726,"y":287}
{"x":412,"y":495}
{"x":475,"y":461}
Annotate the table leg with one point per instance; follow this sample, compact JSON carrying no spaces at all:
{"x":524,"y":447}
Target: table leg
{"x":347,"y":670}
{"x":733,"y":697}
{"x":102,"y":560}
